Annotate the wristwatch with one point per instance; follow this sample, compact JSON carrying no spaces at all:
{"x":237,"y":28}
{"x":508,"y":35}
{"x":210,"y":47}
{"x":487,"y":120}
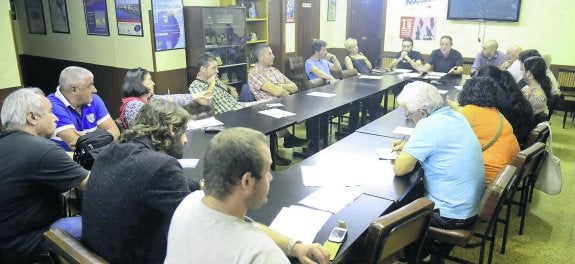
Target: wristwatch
{"x":291,"y":244}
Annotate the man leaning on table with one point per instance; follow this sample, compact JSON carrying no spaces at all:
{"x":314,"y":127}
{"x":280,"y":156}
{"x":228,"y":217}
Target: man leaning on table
{"x":211,"y":226}
{"x":450,"y":155}
{"x":321,"y":62}
{"x":445,"y":59}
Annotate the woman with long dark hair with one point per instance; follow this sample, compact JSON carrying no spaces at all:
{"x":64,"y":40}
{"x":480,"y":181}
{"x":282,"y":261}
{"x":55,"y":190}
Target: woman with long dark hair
{"x":538,"y":88}
{"x":510,"y":101}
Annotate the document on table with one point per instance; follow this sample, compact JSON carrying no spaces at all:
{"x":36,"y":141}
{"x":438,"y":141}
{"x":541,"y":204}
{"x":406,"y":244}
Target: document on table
{"x":458,"y":87}
{"x":403,"y":130}
{"x":440,"y":74}
{"x":373,"y":77}
{"x":386,"y":153}
{"x":331,"y":198}
{"x":411,"y":74}
{"x":188,"y":163}
{"x":274,"y":105}
{"x":402,"y":70}
{"x":277,"y":113}
{"x":207,"y":122}
{"x":442,"y":91}
{"x":320,"y":94}
{"x":432,"y":77}
{"x":300,"y":222}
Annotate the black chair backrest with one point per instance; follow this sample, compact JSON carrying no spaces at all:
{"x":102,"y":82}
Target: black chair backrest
{"x":538,"y":134}
{"x":296,"y":71}
{"x":398,"y":229}
{"x":527,"y":161}
{"x":494,"y":193}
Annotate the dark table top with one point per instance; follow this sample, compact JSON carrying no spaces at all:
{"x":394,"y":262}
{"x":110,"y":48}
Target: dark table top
{"x":249,"y":117}
{"x":287,"y":189}
{"x":384,"y":125}
{"x":356,"y":153}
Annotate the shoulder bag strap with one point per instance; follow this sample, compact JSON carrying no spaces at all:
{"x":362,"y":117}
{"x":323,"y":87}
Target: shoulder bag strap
{"x":497,"y":133}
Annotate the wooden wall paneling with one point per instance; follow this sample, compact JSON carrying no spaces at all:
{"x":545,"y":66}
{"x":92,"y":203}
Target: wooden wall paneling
{"x":307,"y":25}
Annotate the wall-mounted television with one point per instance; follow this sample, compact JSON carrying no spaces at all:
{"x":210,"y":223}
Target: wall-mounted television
{"x":490,"y":10}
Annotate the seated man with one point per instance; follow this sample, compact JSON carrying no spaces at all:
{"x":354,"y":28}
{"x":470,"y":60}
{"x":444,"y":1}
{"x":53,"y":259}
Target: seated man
{"x":512,"y":63}
{"x":78,"y":109}
{"x":225,"y":97}
{"x":450,"y":156}
{"x":489,"y":55}
{"x":136,"y":185}
{"x":445,"y":59}
{"x":321,"y":62}
{"x":212,"y":227}
{"x":35,"y":172}
{"x":265,"y":81}
{"x":408,"y":58}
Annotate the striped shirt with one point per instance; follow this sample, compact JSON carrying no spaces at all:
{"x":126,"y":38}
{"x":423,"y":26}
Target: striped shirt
{"x":223,"y":101}
{"x":259,"y":75}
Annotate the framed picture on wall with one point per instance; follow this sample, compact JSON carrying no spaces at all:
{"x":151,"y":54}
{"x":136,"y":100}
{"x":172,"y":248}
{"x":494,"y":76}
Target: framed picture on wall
{"x":169,"y":31}
{"x":35,"y":13}
{"x":290,"y":11}
{"x":96,"y":13}
{"x":129,"y":17}
{"x":59,"y":16}
{"x":330,"y":10}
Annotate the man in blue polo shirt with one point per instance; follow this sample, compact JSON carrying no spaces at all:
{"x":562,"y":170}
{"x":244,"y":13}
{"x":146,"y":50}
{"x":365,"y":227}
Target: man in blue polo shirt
{"x":445,"y":59}
{"x":450,"y":155}
{"x":78,"y":109}
{"x":321,"y":62}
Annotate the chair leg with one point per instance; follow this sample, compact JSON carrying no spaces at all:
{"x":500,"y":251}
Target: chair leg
{"x":492,"y":244}
{"x":506,"y":226}
{"x":524,"y":193}
{"x":565,"y":116}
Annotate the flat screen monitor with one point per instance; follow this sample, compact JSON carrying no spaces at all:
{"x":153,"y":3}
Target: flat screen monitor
{"x":491,"y":10}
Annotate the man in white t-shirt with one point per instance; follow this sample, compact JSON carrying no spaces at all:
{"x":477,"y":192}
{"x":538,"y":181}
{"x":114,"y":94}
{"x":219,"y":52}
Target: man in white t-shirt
{"x":212,"y":227}
{"x":512,"y":63}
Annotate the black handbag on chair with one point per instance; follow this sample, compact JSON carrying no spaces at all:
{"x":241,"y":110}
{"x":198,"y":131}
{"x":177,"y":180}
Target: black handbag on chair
{"x":88,"y":146}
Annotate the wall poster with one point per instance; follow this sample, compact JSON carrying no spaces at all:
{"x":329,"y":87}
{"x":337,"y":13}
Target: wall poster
{"x":96,"y":13}
{"x":417,"y":28}
{"x":168,"y":24}
{"x":35,"y":13}
{"x":129,"y":17}
{"x":290,"y":11}
{"x":59,"y":16}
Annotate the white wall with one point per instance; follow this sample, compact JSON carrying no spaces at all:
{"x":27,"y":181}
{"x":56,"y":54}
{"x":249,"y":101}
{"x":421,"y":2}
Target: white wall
{"x":543,"y":25}
{"x":9,"y":72}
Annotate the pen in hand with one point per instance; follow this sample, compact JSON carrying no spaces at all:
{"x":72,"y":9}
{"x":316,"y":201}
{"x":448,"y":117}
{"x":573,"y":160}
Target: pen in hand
{"x":399,"y":144}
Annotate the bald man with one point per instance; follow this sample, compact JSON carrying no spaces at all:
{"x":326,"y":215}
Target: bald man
{"x":512,"y":63}
{"x":488,"y":55}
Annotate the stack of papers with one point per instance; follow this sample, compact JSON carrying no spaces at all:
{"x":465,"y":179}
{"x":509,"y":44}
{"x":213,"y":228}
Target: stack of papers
{"x":320,"y":94}
{"x":188,"y":163}
{"x":370,"y":77}
{"x":403,"y":130}
{"x":401,"y":70}
{"x":410,"y":74}
{"x":300,"y":222}
{"x":386,"y":154}
{"x":277,"y":113}
{"x":458,"y":87}
{"x":440,"y":74}
{"x":331,"y":198}
{"x":442,"y":91}
{"x":208,"y":122}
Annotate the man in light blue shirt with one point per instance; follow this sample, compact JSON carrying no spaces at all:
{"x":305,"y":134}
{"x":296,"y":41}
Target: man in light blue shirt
{"x":321,"y":62}
{"x":449,"y":153}
{"x":489,"y":55}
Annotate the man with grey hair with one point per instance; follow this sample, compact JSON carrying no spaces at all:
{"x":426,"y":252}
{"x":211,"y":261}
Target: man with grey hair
{"x":237,"y":179}
{"x":34,"y":174}
{"x":512,"y":63}
{"x":449,"y":153}
{"x":265,"y":81}
{"x":489,"y":55}
{"x":78,"y":108}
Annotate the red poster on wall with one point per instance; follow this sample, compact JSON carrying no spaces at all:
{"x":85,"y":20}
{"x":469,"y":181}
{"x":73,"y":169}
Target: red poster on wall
{"x":406,"y":27}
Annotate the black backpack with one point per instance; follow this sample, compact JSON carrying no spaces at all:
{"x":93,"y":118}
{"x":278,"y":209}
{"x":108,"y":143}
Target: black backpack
{"x":89,"y":145}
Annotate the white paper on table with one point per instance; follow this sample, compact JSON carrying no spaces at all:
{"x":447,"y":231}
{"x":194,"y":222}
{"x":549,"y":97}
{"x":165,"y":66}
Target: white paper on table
{"x":300,"y":222}
{"x":442,"y":91}
{"x":332,"y":175}
{"x":274,"y":105}
{"x":331,"y":198}
{"x":432,"y":77}
{"x":401,"y":70}
{"x":207,"y":122}
{"x":458,"y":87}
{"x":320,"y":94}
{"x":437,"y":73}
{"x":277,"y":113}
{"x":373,"y":77}
{"x":411,"y":74}
{"x":386,"y":154}
{"x":403,"y":130}
{"x":188,"y":163}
